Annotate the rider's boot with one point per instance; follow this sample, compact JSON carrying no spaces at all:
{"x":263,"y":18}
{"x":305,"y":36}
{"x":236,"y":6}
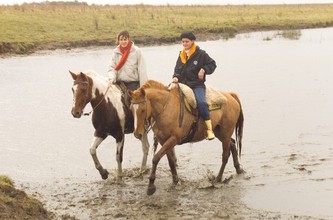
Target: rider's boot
{"x":210,"y":133}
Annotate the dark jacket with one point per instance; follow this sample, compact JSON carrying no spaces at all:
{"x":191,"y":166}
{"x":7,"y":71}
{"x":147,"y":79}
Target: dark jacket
{"x":188,"y":73}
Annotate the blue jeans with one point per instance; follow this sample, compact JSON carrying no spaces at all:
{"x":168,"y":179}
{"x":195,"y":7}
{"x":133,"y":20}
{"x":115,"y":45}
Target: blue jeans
{"x":200,"y":97}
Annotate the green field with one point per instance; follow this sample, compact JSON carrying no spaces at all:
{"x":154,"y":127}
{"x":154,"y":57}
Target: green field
{"x":29,"y":27}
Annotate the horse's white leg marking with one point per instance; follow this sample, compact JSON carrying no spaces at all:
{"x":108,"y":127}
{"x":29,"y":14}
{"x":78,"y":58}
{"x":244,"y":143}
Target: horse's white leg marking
{"x":96,"y":142}
{"x":145,"y":149}
{"x":135,"y":107}
{"x":119,"y":157}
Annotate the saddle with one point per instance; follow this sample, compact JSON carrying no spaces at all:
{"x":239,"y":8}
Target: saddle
{"x":215,"y":99}
{"x":124,"y":93}
{"x":126,"y":99}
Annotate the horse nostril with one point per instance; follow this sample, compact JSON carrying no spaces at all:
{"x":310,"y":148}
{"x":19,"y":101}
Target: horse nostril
{"x":76,"y":114}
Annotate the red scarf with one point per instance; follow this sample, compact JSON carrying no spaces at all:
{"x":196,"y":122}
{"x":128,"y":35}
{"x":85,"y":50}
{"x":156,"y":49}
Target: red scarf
{"x":125,"y":52}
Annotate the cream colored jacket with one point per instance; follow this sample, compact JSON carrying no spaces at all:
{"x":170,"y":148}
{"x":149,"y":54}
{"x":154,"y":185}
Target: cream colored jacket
{"x":134,"y":68}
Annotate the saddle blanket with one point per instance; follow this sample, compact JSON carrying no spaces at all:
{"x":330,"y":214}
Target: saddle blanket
{"x":215,"y":99}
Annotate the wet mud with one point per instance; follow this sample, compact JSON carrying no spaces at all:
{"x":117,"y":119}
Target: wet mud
{"x":189,"y":199}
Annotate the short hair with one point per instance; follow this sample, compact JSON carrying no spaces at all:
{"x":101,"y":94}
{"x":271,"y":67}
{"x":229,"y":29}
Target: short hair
{"x":124,"y":34}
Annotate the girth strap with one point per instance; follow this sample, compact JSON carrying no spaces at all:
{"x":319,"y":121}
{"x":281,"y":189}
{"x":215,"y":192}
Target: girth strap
{"x":194,"y":125}
{"x":190,"y":134}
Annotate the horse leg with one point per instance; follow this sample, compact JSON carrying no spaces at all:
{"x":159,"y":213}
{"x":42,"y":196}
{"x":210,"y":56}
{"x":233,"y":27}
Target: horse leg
{"x":172,"y":165}
{"x":119,"y":158}
{"x":145,"y":149}
{"x":97,"y":141}
{"x":235,"y":157}
{"x":174,"y":155}
{"x":170,"y":143}
{"x":225,"y":157}
{"x":173,"y":150}
{"x":155,"y":144}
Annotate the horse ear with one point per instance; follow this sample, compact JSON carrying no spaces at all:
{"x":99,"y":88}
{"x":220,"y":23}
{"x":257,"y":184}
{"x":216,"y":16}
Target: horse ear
{"x":74,"y":76}
{"x":84,"y":76}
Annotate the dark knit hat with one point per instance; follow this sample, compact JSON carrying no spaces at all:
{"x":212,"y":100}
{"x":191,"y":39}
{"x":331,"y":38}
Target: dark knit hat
{"x":188,"y":35}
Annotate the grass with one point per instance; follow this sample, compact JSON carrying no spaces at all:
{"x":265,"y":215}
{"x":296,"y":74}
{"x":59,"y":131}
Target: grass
{"x":5,"y":181}
{"x":16,"y":204}
{"x":28,"y":27}
{"x":291,"y":34}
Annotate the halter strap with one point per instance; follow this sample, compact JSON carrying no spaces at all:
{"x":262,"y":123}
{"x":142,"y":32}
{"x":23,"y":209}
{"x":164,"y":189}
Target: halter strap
{"x":152,"y":121}
{"x":81,"y":81}
{"x":138,"y":102}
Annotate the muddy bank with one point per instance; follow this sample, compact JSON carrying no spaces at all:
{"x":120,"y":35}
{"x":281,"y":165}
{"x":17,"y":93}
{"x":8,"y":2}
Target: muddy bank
{"x":23,"y":48}
{"x":16,"y":204}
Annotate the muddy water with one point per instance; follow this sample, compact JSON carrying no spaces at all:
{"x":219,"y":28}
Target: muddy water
{"x":286,"y":91}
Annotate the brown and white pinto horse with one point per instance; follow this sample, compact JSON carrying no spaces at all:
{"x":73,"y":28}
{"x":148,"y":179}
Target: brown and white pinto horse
{"x":154,"y":102}
{"x":110,"y":115}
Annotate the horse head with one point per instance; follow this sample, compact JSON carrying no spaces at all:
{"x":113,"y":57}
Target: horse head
{"x":140,"y":107}
{"x":81,"y":93}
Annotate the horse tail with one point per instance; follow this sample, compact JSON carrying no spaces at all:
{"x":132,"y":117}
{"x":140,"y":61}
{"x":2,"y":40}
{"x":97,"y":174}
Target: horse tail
{"x":239,"y":125}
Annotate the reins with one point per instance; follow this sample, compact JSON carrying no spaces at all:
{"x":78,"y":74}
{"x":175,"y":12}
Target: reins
{"x":158,"y":115}
{"x":151,"y":125}
{"x":87,"y":114}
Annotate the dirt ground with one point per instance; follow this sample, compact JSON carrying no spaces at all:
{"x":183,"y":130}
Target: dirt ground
{"x":107,"y":199}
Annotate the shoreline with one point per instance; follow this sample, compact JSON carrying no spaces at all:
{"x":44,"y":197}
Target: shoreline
{"x":49,"y":47}
{"x":29,"y":28}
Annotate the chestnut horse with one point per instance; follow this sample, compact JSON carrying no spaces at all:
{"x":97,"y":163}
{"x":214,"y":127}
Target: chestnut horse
{"x":154,"y":102}
{"x":110,"y":115}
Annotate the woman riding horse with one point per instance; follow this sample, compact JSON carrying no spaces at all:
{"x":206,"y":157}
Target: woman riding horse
{"x":193,"y":64}
{"x":155,"y":105}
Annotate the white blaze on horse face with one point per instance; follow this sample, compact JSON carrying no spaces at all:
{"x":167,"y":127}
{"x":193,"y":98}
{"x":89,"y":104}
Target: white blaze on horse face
{"x":74,"y":94}
{"x":135,"y":107}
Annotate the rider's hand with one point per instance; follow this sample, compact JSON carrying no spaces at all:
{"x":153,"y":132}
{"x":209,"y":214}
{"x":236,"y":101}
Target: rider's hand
{"x":174,"y":79}
{"x":111,"y":81}
{"x":201,"y":74}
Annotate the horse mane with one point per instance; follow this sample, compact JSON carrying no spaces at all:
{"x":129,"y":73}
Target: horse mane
{"x":94,"y":75}
{"x":153,"y":84}
{"x":90,"y":72}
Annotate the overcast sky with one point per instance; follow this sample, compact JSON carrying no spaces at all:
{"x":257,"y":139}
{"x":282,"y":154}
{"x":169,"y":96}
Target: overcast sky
{"x":177,"y":2}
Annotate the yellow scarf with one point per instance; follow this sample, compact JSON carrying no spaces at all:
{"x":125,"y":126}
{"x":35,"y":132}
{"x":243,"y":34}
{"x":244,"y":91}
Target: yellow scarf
{"x":190,"y":53}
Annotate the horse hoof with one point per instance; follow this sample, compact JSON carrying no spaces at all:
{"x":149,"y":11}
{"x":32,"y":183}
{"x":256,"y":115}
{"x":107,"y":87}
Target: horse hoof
{"x":104,"y":174}
{"x":240,"y":171}
{"x":151,"y":190}
{"x":217,"y":180}
{"x":120,"y":181}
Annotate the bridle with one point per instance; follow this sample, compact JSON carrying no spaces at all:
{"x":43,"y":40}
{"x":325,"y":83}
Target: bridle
{"x":148,"y":125}
{"x":86,"y":96}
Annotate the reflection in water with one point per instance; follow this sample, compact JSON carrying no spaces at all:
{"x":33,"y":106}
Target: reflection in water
{"x":286,"y":90}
